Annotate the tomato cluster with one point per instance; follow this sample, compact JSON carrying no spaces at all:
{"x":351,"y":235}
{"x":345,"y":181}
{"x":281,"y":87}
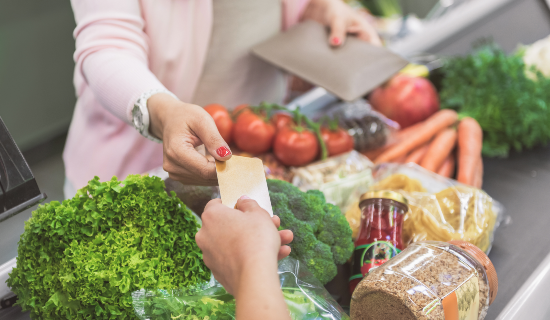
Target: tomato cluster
{"x":295,"y":140}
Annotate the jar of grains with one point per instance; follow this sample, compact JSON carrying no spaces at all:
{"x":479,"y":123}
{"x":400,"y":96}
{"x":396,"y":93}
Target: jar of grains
{"x":428,"y":280}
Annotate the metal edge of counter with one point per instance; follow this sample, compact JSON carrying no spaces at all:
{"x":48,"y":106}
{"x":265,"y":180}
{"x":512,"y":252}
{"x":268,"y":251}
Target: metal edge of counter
{"x":530,"y":302}
{"x":436,"y":31}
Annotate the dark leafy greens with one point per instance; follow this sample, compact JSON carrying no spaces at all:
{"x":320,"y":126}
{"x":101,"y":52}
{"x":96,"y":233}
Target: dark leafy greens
{"x":82,"y":258}
{"x":493,"y":88}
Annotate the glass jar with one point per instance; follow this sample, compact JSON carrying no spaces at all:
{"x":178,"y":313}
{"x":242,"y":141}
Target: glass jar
{"x":428,"y":280}
{"x":379,"y":237}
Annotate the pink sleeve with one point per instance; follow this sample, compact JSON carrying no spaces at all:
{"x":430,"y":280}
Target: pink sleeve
{"x":111,"y":53}
{"x":293,"y":11}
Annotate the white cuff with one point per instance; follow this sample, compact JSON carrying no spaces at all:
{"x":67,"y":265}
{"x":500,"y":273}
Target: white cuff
{"x":140,"y":113}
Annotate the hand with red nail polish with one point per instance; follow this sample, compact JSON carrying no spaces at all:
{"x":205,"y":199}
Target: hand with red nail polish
{"x":341,"y":19}
{"x":241,"y":247}
{"x":183,"y":127}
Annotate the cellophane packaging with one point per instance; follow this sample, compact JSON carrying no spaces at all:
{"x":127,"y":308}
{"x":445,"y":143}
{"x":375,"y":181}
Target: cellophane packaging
{"x":305,"y":296}
{"x":440,"y":209}
{"x":341,"y":178}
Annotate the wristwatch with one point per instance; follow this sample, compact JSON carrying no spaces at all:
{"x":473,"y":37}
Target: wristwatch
{"x":140,"y":113}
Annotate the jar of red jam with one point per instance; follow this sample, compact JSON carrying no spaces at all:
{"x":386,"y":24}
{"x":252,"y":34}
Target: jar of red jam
{"x":379,"y":236}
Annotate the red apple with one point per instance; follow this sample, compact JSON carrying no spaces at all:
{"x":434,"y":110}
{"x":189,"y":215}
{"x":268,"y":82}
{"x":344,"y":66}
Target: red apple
{"x":406,"y":99}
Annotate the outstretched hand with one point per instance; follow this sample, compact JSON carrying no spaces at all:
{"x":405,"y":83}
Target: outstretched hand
{"x":235,"y":241}
{"x":182,"y":128}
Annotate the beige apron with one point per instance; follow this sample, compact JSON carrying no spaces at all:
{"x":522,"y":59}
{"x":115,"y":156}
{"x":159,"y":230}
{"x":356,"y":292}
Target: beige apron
{"x":231,"y":75}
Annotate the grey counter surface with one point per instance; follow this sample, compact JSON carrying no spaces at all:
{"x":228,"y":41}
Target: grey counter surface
{"x":522,"y":184}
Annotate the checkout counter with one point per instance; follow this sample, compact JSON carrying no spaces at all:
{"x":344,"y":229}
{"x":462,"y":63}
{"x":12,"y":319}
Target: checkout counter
{"x":521,"y":248}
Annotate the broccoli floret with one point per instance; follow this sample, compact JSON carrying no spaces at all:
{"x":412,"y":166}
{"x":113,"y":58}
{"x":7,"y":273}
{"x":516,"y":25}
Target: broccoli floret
{"x":319,"y":261}
{"x":322,"y":236}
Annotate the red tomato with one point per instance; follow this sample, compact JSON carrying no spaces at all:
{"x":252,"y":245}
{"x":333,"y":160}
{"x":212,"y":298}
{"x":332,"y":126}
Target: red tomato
{"x":252,"y":134}
{"x":222,"y":119}
{"x":236,"y":114}
{"x":295,"y":148}
{"x":338,"y":141}
{"x":281,"y":120}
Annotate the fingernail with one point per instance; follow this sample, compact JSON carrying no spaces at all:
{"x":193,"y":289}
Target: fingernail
{"x":223,"y":151}
{"x":335,"y":41}
{"x":245,"y":197}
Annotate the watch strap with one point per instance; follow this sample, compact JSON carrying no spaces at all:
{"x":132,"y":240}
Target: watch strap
{"x":140,"y":113}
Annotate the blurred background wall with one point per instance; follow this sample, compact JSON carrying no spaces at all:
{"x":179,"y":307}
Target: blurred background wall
{"x":36,"y":68}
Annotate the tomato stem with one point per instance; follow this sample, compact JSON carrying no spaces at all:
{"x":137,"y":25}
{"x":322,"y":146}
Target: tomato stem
{"x":316,"y":127}
{"x":333,"y":124}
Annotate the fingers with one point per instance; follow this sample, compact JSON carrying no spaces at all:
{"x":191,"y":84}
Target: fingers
{"x":365,"y":32}
{"x":337,"y":30}
{"x":276,"y":221}
{"x":245,"y":204}
{"x":182,"y":161}
{"x":284,"y":251}
{"x":213,"y":204}
{"x":286,"y":236}
{"x":205,"y":129}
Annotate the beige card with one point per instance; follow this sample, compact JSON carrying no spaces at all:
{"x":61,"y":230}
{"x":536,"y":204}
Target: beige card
{"x":241,"y":176}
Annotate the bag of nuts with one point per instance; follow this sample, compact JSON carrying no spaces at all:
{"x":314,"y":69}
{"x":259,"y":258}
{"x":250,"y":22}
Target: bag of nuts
{"x":428,"y":280}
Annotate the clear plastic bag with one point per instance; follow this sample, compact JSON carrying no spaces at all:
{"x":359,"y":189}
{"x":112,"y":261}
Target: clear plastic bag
{"x":341,"y":178}
{"x":428,"y":280}
{"x":369,"y":128}
{"x":440,"y":209}
{"x":305,"y":296}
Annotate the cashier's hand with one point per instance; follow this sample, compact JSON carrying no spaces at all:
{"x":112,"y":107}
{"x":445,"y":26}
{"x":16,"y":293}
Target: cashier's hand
{"x":183,"y":127}
{"x":242,"y":241}
{"x":341,"y":19}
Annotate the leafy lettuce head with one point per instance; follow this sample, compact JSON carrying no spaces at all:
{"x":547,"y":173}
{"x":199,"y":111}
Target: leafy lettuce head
{"x":82,"y":258}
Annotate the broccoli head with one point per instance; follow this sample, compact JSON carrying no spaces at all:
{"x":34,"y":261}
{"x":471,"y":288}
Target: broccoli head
{"x":322,"y":235}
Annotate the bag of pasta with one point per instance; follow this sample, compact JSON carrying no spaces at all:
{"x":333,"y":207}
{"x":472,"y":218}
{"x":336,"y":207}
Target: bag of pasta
{"x":440,"y":209}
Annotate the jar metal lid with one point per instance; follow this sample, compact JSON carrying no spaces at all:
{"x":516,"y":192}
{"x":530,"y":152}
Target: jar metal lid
{"x":384,"y":194}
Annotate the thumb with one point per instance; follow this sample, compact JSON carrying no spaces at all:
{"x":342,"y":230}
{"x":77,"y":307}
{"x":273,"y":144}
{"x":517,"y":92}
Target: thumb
{"x":337,"y":31}
{"x":245,"y":204}
{"x":205,"y":129}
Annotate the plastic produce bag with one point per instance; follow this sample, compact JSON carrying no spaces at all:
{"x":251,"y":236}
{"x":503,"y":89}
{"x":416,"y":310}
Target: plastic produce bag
{"x":342,"y":178}
{"x":369,"y":128}
{"x":305,"y":296}
{"x":440,"y":209}
{"x":209,"y":301}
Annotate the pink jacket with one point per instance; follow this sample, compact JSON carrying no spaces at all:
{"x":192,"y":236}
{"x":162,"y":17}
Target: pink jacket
{"x":125,"y":48}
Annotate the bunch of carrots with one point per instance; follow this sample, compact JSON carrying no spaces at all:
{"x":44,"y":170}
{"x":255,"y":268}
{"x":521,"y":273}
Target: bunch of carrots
{"x":439,"y":144}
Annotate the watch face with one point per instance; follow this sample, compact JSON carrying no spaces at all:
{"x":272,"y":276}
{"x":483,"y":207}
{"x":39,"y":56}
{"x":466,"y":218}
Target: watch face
{"x":138,"y":118}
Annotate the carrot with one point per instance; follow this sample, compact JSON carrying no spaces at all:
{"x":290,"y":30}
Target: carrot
{"x":417,"y":154}
{"x":400,"y":159}
{"x":448,"y":167}
{"x":374,"y":153}
{"x":478,"y":178}
{"x":439,"y":121}
{"x":470,"y":139}
{"x":402,"y":134}
{"x":397,"y":136}
{"x":442,"y":145}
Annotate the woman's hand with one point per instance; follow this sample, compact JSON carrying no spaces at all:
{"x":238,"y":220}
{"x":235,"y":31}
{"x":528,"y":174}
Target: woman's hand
{"x":183,"y":127}
{"x":239,"y":243}
{"x":341,"y":19}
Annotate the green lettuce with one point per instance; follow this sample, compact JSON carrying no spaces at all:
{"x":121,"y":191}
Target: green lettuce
{"x":82,"y":258}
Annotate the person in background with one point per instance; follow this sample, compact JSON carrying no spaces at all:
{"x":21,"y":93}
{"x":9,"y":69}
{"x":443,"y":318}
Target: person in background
{"x":245,"y":263}
{"x":144,"y":68}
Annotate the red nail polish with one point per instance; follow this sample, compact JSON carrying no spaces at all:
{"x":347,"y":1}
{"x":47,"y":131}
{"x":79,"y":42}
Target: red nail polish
{"x":223,"y":151}
{"x":336,"y":41}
